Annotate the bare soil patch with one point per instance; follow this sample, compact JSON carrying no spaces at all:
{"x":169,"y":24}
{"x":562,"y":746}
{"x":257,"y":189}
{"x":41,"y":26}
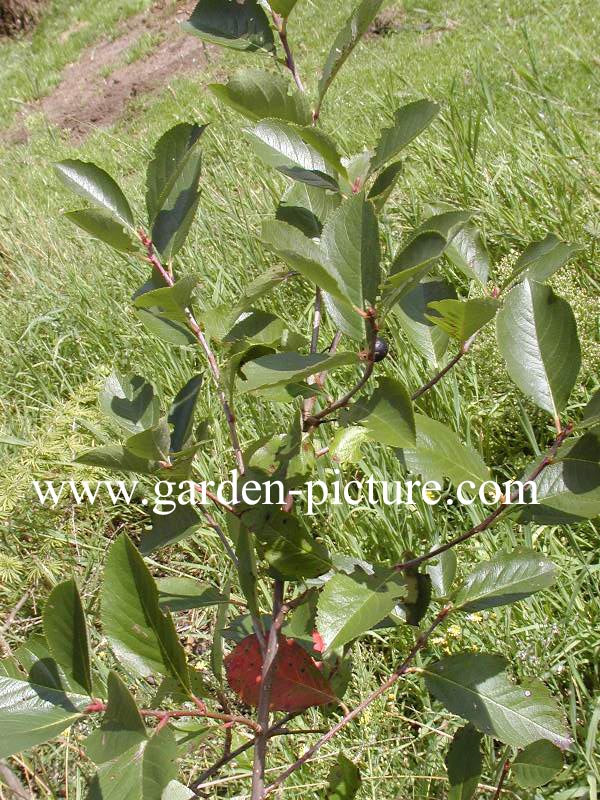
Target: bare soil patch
{"x":95,"y":91}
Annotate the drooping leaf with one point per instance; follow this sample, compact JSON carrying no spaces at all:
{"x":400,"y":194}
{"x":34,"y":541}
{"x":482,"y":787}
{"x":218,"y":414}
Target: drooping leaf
{"x":216,"y":649}
{"x":66,"y":633}
{"x":507,"y":578}
{"x":384,"y":184}
{"x":167,"y":330}
{"x":152,"y":444}
{"x":537,"y":336}
{"x":284,"y":147}
{"x":122,"y":726}
{"x":467,"y":250}
{"x":464,"y":763}
{"x":246,"y":567}
{"x":142,"y":637}
{"x":387,"y":414}
{"x":257,"y":327}
{"x":569,"y":488}
{"x":440,"y":453}
{"x":344,"y":318}
{"x":307,"y":208}
{"x":429,"y":339}
{"x":181,"y":594}
{"x":116,"y":457}
{"x":241,"y":26}
{"x":130,"y":401}
{"x":282,"y":368}
{"x":350,"y":605}
{"x":345,"y":447}
{"x":95,"y":185}
{"x":297,"y":683}
{"x":591,"y":413}
{"x":283,"y":7}
{"x":462,"y":318}
{"x":442,"y":572}
{"x":33,"y":714}
{"x":345,"y":42}
{"x":540,"y":260}
{"x":344,"y":780}
{"x":476,"y":687}
{"x":141,"y":773}
{"x":103,"y":226}
{"x":171,"y":301}
{"x":537,"y":764}
{"x":409,"y":122}
{"x":257,"y":94}
{"x":172,"y":186}
{"x":289,"y":549}
{"x":350,"y":245}
{"x":35,"y":660}
{"x":177,"y":791}
{"x":181,"y":413}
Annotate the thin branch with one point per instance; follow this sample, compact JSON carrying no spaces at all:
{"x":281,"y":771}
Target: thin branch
{"x":210,"y":356}
{"x":314,"y":342}
{"x":465,"y":347}
{"x":395,"y":676}
{"x":164,"y":716}
{"x":503,"y":774}
{"x":281,"y":27}
{"x":264,"y":700}
{"x":491,"y":518}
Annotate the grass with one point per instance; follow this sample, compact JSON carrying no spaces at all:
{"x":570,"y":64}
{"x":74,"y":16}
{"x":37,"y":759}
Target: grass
{"x":517,"y":142}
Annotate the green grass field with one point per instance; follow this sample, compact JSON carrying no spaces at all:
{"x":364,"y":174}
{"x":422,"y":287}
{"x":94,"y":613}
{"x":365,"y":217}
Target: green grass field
{"x":517,"y":141}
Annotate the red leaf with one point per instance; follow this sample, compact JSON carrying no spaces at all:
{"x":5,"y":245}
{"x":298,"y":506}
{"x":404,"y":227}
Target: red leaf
{"x":297,"y":684}
{"x":318,"y":643}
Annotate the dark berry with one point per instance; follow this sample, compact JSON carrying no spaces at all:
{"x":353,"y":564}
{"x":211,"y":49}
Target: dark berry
{"x":380,"y":350}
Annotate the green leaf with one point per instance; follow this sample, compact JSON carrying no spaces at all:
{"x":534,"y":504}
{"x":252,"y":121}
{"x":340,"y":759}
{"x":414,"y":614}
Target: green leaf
{"x":95,"y":185}
{"x":115,"y":457}
{"x":345,"y":447}
{"x":344,"y":318}
{"x":288,"y":548}
{"x":240,"y":26}
{"x":181,"y":594}
{"x":350,"y":605}
{"x":34,"y":658}
{"x":216,"y":650}
{"x":103,"y":226}
{"x":246,"y":566}
{"x":301,"y":254}
{"x":387,"y":414}
{"x":442,"y":572}
{"x":170,"y":528}
{"x":411,"y":264}
{"x":440,"y":453}
{"x":172,"y":186}
{"x":307,"y":208}
{"x":591,"y":413}
{"x":257,"y":94}
{"x":32,"y":714}
{"x":507,"y":578}
{"x":429,"y":339}
{"x":284,"y":147}
{"x":384,"y":184}
{"x":6,"y":438}
{"x":181,"y":413}
{"x":153,"y":443}
{"x":476,"y":687}
{"x":141,"y":773}
{"x":462,"y":318}
{"x":122,"y":726}
{"x":257,"y":327}
{"x":409,"y":122}
{"x":168,"y":330}
{"x":344,"y":780}
{"x":283,"y":7}
{"x":540,"y":260}
{"x":350,"y":246}
{"x":66,"y":632}
{"x":569,"y":488}
{"x":177,"y":791}
{"x":130,"y":401}
{"x":537,"y":336}
{"x":464,"y":763}
{"x":142,"y":637}
{"x":345,"y":42}
{"x":171,"y":301}
{"x":467,"y":250}
{"x":279,"y":369}
{"x":537,"y":764}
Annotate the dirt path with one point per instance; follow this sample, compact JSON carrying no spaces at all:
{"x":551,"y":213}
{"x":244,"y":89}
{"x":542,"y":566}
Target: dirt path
{"x":95,"y":91}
